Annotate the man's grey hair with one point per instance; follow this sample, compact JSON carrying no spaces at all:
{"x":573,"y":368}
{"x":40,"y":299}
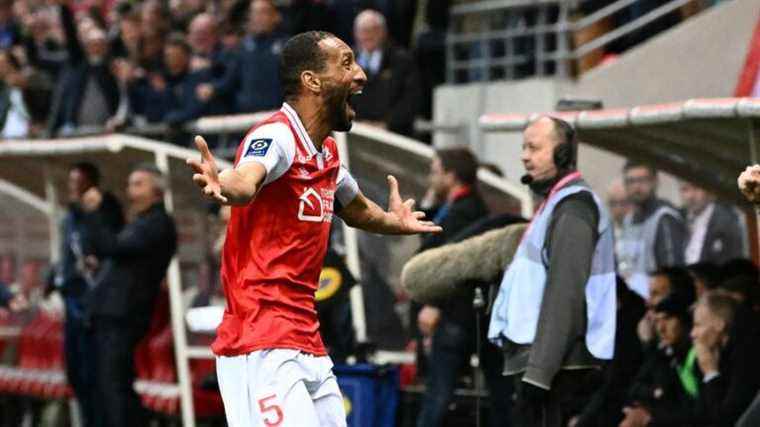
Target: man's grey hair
{"x":372,"y":17}
{"x":159,"y":179}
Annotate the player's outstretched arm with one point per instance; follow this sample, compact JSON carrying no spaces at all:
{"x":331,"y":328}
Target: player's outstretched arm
{"x":399,"y":219}
{"x":230,"y":187}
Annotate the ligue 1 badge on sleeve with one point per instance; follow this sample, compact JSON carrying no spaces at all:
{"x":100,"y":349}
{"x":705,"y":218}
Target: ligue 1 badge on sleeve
{"x":258,"y":147}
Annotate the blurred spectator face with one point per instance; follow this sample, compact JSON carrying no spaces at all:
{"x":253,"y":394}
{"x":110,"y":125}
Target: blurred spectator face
{"x":176,"y":59}
{"x":440,"y":180}
{"x":202,"y":34}
{"x":263,"y":17}
{"x":539,"y":140}
{"x":131,"y":32}
{"x":618,"y":203}
{"x":670,"y":329}
{"x":695,"y":199}
{"x":659,"y":288}
{"x":708,"y":329}
{"x":640,"y":184}
{"x":77,"y":184}
{"x":152,"y":46}
{"x":142,"y":190}
{"x":95,"y":45}
{"x":153,"y":20}
{"x":369,"y":30}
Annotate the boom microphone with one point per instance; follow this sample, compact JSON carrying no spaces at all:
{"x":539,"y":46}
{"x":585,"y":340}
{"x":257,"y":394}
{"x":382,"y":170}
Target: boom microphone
{"x":526,"y":179}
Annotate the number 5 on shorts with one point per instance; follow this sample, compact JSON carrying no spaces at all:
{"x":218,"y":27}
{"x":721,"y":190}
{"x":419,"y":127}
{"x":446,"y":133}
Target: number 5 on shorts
{"x":264,"y":407}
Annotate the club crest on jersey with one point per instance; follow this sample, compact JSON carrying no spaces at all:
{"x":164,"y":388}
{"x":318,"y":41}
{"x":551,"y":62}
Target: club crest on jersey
{"x":310,"y":207}
{"x":258,"y":147}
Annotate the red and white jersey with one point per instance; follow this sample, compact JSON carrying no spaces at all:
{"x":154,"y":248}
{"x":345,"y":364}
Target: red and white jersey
{"x":275,"y":246}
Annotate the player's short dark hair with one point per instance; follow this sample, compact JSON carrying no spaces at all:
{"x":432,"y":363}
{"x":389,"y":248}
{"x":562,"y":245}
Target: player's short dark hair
{"x":89,"y":170}
{"x":631,"y":164}
{"x":301,"y":53}
{"x":461,"y":161}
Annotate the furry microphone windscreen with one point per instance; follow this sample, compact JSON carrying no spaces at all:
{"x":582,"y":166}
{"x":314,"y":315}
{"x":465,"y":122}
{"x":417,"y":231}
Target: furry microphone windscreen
{"x":439,"y":273}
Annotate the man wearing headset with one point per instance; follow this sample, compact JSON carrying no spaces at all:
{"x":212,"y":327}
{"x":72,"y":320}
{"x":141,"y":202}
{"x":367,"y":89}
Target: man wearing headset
{"x":554,"y":315}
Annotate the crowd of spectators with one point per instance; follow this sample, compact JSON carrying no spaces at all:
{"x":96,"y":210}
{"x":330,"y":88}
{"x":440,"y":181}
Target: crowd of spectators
{"x":75,"y":66}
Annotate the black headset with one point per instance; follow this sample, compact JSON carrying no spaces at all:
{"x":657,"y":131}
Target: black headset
{"x":566,"y":152}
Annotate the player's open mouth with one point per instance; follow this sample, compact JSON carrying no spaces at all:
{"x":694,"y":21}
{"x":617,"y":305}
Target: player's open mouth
{"x":349,"y":98}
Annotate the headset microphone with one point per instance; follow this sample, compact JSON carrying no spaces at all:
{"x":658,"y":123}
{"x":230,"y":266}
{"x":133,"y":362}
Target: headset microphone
{"x":526,"y":179}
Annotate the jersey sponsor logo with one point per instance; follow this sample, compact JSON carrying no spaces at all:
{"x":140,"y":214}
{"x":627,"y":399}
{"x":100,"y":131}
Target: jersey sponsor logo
{"x":258,"y":147}
{"x":310,"y":207}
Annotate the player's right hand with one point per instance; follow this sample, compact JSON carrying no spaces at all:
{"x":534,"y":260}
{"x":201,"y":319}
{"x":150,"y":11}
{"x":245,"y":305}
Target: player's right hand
{"x":206,"y":173}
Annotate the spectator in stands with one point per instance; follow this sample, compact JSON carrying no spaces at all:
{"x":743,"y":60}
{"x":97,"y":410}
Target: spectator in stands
{"x":554,"y":316}
{"x":209,"y":64}
{"x":390,"y":98}
{"x":89,"y":94}
{"x":662,"y":282}
{"x":715,"y":233}
{"x":654,"y":233}
{"x":74,"y":280}
{"x":157,"y":95}
{"x":253,"y":79}
{"x":453,"y":202}
{"x":727,"y":347}
{"x":666,"y":388}
{"x":133,"y":264}
{"x":603,"y":408}
{"x":44,"y":50}
{"x":10,"y":33}
{"x":619,"y":206}
{"x":430,"y":52}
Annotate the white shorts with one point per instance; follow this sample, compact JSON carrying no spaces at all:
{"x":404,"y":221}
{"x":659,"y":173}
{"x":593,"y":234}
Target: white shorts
{"x":280,"y":388}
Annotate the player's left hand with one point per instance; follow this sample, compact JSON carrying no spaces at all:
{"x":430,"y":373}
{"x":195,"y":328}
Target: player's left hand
{"x":411,"y":221}
{"x":206,"y":173}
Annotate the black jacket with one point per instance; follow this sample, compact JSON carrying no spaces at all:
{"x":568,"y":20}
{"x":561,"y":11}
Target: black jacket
{"x":724,"y":398}
{"x":73,"y":80}
{"x":133,"y":263}
{"x":724,"y":237}
{"x":392,"y":94}
{"x":69,"y":279}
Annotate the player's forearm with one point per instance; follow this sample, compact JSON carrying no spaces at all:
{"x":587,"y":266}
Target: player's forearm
{"x":367,"y":215}
{"x":238,"y":188}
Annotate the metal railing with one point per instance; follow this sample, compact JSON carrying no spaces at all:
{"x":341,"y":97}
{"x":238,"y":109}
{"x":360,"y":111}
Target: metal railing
{"x":510,"y":39}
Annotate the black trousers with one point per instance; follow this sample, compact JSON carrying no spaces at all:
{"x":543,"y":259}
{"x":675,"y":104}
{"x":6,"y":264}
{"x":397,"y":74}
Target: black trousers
{"x":115,"y":342}
{"x":559,"y":405}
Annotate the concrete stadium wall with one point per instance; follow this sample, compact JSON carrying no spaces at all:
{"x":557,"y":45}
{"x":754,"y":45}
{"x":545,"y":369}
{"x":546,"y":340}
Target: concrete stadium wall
{"x":702,"y":57}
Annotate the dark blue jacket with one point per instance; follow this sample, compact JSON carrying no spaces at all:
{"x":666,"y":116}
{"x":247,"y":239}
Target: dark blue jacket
{"x":153,"y":104}
{"x":254,"y":77}
{"x":68,"y":278}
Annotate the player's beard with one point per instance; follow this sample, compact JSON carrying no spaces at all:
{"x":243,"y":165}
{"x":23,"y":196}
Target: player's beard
{"x":340,"y":112}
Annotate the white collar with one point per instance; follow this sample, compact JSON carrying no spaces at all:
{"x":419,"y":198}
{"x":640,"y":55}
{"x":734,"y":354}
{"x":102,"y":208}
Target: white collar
{"x":300,"y":128}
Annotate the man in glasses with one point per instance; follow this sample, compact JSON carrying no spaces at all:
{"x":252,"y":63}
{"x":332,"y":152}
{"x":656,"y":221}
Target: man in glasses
{"x":654,"y":233}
